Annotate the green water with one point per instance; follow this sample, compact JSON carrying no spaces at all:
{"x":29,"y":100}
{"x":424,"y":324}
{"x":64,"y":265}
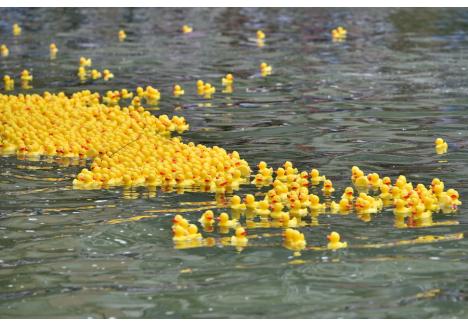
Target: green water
{"x":377,"y":100}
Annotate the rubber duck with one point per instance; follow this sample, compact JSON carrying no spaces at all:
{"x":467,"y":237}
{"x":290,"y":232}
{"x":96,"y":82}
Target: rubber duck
{"x":53,"y":51}
{"x":315,"y":177}
{"x":263,"y":208}
{"x":180,"y":220}
{"x":281,"y":175}
{"x":361,"y":182}
{"x":294,"y":240}
{"x":342,"y":207}
{"x":400,"y":208}
{"x":296,"y":210}
{"x":276,"y":210}
{"x":338,"y":34}
{"x":16,"y":30}
{"x":265,"y":69}
{"x":449,"y":200}
{"x":177,"y":91}
{"x":385,"y":193}
{"x":236,"y":204}
{"x":240,"y":238}
{"x":315,"y":203}
{"x":387,"y":181}
{"x":228,"y":80}
{"x":125,"y":94}
{"x":348,"y":194}
{"x":4,"y":52}
{"x":334,"y":241}
{"x":374,"y":180}
{"x":207,"y":218}
{"x":95,"y":74}
{"x":122,"y":35}
{"x":328,"y":188}
{"x":440,"y":146}
{"x":287,"y":221}
{"x":106,"y":74}
{"x":8,"y":83}
{"x":187,"y":29}
{"x":85,"y":62}
{"x":250,"y":202}
{"x":401,"y":182}
{"x":179,"y":233}
{"x":26,"y":76}
{"x":193,"y":232}
{"x":224,"y":221}
{"x":208,"y":90}
{"x":260,"y":35}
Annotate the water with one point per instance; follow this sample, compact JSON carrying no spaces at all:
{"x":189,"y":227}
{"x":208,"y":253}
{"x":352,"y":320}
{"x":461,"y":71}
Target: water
{"x":377,"y":100}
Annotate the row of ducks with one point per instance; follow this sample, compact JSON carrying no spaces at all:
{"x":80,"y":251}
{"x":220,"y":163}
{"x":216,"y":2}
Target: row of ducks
{"x":53,"y":50}
{"x":83,"y":73}
{"x":129,"y":146}
{"x":25,"y":78}
{"x":184,"y":231}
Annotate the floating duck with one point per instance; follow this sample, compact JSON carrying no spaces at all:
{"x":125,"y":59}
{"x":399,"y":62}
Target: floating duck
{"x":328,"y":188}
{"x":177,"y":91}
{"x":16,"y":30}
{"x":187,"y":29}
{"x":386,"y":181}
{"x":315,"y":177}
{"x":224,"y":221}
{"x":95,"y":74}
{"x":122,"y":35}
{"x":84,"y":62}
{"x":315,"y":204}
{"x":294,"y":240}
{"x":276,"y":210}
{"x":338,"y":34}
{"x":343,"y":206}
{"x":440,"y":146}
{"x":400,"y":208}
{"x":236,"y":204}
{"x":125,"y":94}
{"x":4,"y":52}
{"x":207,"y":218}
{"x":287,"y":221}
{"x":356,"y":172}
{"x":385,"y":193}
{"x":334,"y":241}
{"x":180,"y":220}
{"x":193,"y":232}
{"x":228,"y":80}
{"x":263,"y":208}
{"x":107,"y":75}
{"x":250,"y":202}
{"x":53,"y":51}
{"x":26,"y":76}
{"x":179,"y":233}
{"x":208,"y":90}
{"x":8,"y":83}
{"x":240,"y":238}
{"x":348,"y":194}
{"x":374,"y":180}
{"x":265,"y":69}
{"x":260,"y":35}
{"x":296,"y":210}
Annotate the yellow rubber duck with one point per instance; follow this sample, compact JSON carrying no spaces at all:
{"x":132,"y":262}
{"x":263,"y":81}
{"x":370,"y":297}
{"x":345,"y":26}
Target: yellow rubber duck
{"x":287,"y":221}
{"x":315,"y":203}
{"x":177,"y":91}
{"x":236,"y":203}
{"x":107,"y":75}
{"x":179,"y":233}
{"x":296,"y":210}
{"x":187,"y":29}
{"x":387,"y":181}
{"x":361,"y":182}
{"x":294,"y":240}
{"x":348,"y":194}
{"x":385,"y":193}
{"x":400,"y":208}
{"x":440,"y":146}
{"x":8,"y":83}
{"x":180,"y":220}
{"x":53,"y":51}
{"x":208,"y":90}
{"x":265,"y":69}
{"x":224,"y":221}
{"x":276,"y":210}
{"x":16,"y":30}
{"x":4,"y":52}
{"x":122,"y":35}
{"x":334,"y":241}
{"x":228,"y":80}
{"x":315,"y":177}
{"x":374,"y":180}
{"x":95,"y":74}
{"x":207,"y":218}
{"x":84,"y":62}
{"x":26,"y":76}
{"x":240,"y":238}
{"x":338,"y":34}
{"x":125,"y":94}
{"x":328,"y":188}
{"x":250,"y":202}
{"x":263,"y":208}
{"x":342,"y":207}
{"x":260,"y":35}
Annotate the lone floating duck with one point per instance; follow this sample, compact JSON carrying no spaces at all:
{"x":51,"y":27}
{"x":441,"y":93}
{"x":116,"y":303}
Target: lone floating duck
{"x":240,"y":238}
{"x":440,"y":146}
{"x":334,"y":241}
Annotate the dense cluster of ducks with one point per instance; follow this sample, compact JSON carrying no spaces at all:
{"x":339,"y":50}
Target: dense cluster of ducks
{"x":294,"y":197}
{"x":81,"y":126}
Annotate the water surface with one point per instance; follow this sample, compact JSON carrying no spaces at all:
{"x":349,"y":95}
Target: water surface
{"x":377,"y":100}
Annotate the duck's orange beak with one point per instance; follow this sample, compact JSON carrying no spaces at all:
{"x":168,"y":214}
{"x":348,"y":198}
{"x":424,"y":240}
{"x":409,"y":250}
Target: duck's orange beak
{"x":328,"y":237}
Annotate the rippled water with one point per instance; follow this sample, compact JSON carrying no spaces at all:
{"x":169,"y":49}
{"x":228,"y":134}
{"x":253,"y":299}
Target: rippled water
{"x":377,"y":100}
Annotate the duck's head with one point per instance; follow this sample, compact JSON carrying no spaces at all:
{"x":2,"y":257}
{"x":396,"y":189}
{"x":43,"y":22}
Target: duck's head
{"x":235,"y":200}
{"x":241,"y":232}
{"x":223,"y":217}
{"x":334,"y":237}
{"x":439,"y":141}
